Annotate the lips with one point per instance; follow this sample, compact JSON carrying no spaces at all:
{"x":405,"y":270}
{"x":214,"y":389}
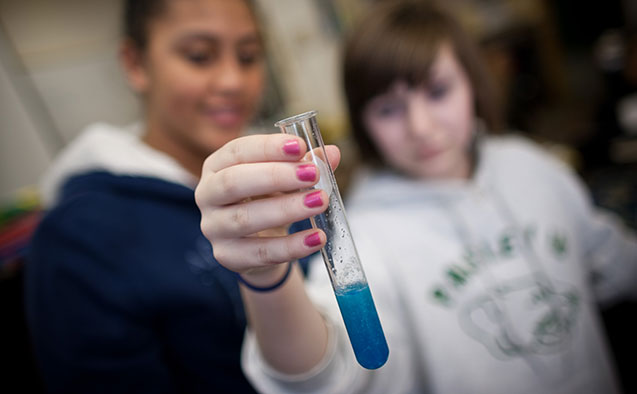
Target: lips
{"x":426,"y":153}
{"x":226,"y":116}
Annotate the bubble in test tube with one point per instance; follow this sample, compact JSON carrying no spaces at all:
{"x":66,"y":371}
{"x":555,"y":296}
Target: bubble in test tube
{"x":339,"y":253}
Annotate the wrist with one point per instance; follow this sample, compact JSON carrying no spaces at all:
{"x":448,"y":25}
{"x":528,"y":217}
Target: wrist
{"x":265,"y":280}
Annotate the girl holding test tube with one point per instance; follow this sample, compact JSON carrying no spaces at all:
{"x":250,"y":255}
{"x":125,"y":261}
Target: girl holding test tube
{"x":478,"y":249}
{"x":122,"y":293}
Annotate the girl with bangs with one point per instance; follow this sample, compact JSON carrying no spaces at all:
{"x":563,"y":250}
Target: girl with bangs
{"x":479,"y":250}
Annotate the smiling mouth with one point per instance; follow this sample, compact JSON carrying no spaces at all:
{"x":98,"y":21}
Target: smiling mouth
{"x":226,"y":117}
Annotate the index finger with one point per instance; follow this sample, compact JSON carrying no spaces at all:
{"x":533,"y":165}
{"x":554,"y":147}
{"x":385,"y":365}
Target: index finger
{"x":255,"y":149}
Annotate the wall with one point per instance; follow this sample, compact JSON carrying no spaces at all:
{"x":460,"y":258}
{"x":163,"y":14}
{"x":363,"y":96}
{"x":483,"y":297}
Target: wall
{"x":58,"y":73}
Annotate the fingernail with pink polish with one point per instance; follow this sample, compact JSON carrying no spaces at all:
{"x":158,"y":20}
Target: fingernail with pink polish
{"x":312,"y":240}
{"x":313,"y":200}
{"x":306,"y":172}
{"x":292,"y":147}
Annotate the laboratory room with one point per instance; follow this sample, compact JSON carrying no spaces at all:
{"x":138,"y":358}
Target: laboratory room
{"x":126,"y":267}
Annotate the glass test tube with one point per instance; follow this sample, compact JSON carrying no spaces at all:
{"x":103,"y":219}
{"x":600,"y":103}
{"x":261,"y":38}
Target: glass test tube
{"x":339,"y":253}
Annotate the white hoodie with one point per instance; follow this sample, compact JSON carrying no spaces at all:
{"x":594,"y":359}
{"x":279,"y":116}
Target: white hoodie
{"x":486,"y":286}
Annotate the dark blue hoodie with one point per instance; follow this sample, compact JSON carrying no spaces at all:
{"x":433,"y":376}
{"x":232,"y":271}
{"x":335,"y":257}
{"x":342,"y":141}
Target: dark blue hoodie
{"x":123,"y":294}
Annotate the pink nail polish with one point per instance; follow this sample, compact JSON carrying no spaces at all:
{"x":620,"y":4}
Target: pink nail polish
{"x":306,"y":172}
{"x":313,"y":200}
{"x":292,"y":147}
{"x":312,"y":240}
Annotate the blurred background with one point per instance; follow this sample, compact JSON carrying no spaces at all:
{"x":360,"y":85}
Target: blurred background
{"x":566,"y":71}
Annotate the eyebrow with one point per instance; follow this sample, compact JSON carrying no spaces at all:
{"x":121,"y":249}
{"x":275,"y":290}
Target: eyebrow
{"x":250,"y":38}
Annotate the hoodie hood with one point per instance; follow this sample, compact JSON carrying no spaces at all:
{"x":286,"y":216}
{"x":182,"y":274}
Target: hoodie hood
{"x":107,"y":148}
{"x":386,"y":188}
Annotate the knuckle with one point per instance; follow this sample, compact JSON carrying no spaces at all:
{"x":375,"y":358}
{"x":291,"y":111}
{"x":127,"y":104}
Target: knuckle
{"x":227,"y":183}
{"x":275,"y":176}
{"x":200,"y":195}
{"x":286,"y":206}
{"x":289,"y":248}
{"x":207,"y":164}
{"x":272,"y":144}
{"x":235,"y":150}
{"x":212,"y":224}
{"x":206,"y":228}
{"x":240,"y":217}
{"x":263,"y":254}
{"x":269,"y":146}
{"x":220,"y":252}
{"x":226,"y":253}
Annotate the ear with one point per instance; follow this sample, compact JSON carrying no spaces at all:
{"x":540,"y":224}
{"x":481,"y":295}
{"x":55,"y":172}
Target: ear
{"x":131,"y":58}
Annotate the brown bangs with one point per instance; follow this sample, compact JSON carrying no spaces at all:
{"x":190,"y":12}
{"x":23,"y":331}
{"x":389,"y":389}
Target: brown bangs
{"x":395,"y":50}
{"x":399,"y":40}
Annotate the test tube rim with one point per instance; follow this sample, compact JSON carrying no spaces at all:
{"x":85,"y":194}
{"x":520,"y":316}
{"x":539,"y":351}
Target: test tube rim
{"x":295,"y":118}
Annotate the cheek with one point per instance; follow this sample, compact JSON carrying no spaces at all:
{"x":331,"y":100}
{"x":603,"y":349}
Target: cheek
{"x":183,"y":91}
{"x":460,"y":119}
{"x":388,"y":139}
{"x":253,"y":89}
{"x":176,"y":86}
{"x":256,"y":82}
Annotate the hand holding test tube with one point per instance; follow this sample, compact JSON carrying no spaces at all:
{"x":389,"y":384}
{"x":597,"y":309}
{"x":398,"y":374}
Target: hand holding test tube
{"x":339,"y":253}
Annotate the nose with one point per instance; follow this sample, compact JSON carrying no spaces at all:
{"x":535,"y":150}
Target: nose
{"x":420,"y":121}
{"x":228,"y":76}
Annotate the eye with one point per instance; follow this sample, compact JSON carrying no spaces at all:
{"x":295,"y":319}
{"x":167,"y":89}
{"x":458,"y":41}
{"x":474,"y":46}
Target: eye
{"x":386,"y":107}
{"x":247,"y":59}
{"x":438,"y":90}
{"x":249,"y":56}
{"x":198,"y":52}
{"x":389,"y":108}
{"x":198,"y":58}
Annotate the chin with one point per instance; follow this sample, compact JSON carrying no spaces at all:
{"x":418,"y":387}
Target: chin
{"x":218,"y":133}
{"x":223,"y":129}
{"x":215,"y":143}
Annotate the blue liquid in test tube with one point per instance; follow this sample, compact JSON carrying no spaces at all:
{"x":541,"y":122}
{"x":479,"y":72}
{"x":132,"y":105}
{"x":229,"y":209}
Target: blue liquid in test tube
{"x":363,"y":327}
{"x":339,"y":253}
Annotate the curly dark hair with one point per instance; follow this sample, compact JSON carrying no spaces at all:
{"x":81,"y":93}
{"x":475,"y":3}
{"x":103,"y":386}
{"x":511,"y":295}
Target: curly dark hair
{"x":136,"y":16}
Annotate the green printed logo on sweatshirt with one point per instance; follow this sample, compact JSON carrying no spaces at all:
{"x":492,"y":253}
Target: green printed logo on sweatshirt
{"x":527,"y":314}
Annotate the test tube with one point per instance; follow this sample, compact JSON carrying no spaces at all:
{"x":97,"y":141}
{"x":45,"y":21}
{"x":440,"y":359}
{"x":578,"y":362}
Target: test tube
{"x":339,"y":253}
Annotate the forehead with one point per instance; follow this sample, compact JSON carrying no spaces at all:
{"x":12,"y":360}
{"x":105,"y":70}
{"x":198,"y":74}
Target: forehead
{"x":218,"y":17}
{"x":444,"y":64}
